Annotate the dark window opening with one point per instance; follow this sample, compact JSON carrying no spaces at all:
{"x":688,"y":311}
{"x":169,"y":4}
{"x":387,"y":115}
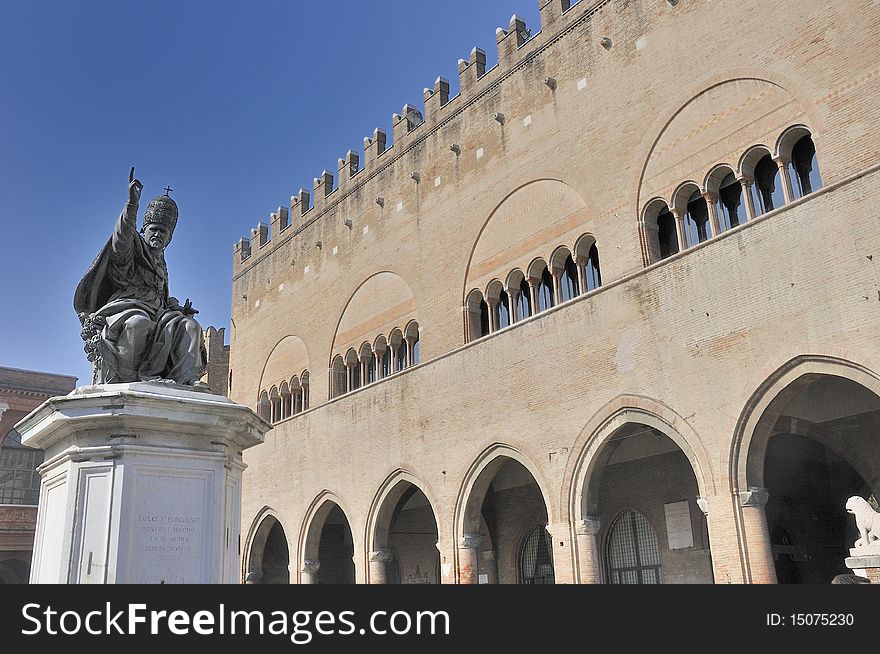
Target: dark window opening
{"x":569,"y":282}
{"x":697,"y":219}
{"x":484,"y":318}
{"x":592,"y":276}
{"x":806,"y":167}
{"x":545,"y":291}
{"x":730,"y":200}
{"x":769,"y":187}
{"x":502,"y":311}
{"x":666,"y":234}
{"x":524,"y":301}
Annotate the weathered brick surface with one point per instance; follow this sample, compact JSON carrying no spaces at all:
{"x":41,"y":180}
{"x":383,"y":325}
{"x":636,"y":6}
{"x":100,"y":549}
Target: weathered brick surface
{"x":692,"y":338}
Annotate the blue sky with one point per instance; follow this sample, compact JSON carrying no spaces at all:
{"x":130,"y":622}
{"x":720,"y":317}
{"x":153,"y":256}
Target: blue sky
{"x":235,"y":105}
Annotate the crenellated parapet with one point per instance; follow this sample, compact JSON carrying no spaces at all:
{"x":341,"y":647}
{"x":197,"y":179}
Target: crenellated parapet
{"x":411,"y":125}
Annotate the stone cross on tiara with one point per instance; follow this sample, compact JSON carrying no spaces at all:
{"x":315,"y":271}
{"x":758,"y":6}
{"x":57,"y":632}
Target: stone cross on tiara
{"x":168,"y":190}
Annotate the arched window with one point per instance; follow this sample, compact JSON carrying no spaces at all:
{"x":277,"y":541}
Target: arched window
{"x":545,"y":291}
{"x":502,"y":310}
{"x":275,"y":400}
{"x":592,"y":276}
{"x":730,"y":208}
{"x":806,"y":167}
{"x":402,"y":360}
{"x":368,"y":362}
{"x":633,"y":556}
{"x":524,"y":301}
{"x":286,"y":401}
{"x":477,"y":312}
{"x":296,"y":393}
{"x":264,"y":408}
{"x":412,"y":339}
{"x":386,"y":362}
{"x":338,"y":377}
{"x":353,"y":367}
{"x":568,"y":283}
{"x":484,"y":318}
{"x":696,"y":219}
{"x":304,"y":382}
{"x":536,"y":558}
{"x":666,"y":233}
{"x":769,"y":186}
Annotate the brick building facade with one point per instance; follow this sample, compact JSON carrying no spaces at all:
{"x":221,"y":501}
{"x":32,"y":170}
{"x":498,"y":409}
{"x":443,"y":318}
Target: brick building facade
{"x":608,"y":315}
{"x":21,"y":391}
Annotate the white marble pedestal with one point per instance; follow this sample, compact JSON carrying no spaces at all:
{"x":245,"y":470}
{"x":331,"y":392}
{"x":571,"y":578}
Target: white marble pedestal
{"x":141,"y":484}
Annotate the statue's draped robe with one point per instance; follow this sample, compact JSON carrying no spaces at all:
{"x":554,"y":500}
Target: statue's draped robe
{"x":129,"y":278}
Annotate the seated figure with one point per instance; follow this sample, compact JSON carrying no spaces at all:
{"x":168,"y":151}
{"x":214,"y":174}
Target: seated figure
{"x":132,"y":328}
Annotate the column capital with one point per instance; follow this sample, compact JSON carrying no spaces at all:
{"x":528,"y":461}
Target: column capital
{"x":311,"y":566}
{"x":781,"y":160}
{"x":710,"y":197}
{"x":589,"y":526}
{"x":381,"y":556}
{"x":754,"y":497}
{"x":745,"y":180}
{"x":470,"y":541}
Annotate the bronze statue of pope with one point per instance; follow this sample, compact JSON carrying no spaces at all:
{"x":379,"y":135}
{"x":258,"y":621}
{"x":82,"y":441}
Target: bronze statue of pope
{"x":132,"y":328}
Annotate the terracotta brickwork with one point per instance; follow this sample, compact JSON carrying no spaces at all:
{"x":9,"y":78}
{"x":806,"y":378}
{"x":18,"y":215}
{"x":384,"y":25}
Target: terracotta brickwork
{"x":610,"y":109}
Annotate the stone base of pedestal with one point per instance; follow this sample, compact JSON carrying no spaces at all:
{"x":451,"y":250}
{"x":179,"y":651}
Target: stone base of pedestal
{"x":864,"y":565}
{"x":141,"y":484}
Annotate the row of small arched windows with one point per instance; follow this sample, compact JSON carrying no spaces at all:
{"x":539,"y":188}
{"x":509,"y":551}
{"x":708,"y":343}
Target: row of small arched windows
{"x":536,"y":290}
{"x":727,"y":199}
{"x":282,"y":402}
{"x":372,"y":362}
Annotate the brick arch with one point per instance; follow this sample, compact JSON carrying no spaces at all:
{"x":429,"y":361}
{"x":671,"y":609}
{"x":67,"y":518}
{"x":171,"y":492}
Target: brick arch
{"x":586,"y":456}
{"x":383,"y":505}
{"x":313,"y":523}
{"x":255,"y":541}
{"x":352,"y":329}
{"x":476,"y":482}
{"x":284,"y":359}
{"x":755,"y":424}
{"x":656,"y":131}
{"x":487,"y":262}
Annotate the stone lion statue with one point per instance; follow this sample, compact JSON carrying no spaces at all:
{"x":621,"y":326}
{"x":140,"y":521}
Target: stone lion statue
{"x":867,"y":521}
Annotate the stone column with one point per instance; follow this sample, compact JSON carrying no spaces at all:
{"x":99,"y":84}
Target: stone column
{"x":468,"y":561}
{"x":581,"y":263}
{"x":493,"y":317}
{"x":785,"y":179}
{"x":533,"y":291}
{"x":711,"y":199}
{"x":310,"y":571}
{"x":679,"y":228}
{"x":556,"y":273}
{"x":749,"y":199}
{"x":757,"y":535}
{"x":589,"y":565}
{"x":512,"y":297}
{"x":379,"y":561}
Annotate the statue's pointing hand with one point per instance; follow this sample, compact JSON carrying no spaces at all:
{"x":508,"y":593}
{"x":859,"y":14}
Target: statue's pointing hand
{"x":134,"y":188}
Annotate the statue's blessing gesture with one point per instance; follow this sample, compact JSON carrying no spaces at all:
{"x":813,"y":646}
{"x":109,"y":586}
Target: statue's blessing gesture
{"x":132,"y":328}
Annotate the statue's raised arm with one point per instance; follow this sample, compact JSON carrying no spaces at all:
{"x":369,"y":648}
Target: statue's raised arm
{"x":132,"y":328}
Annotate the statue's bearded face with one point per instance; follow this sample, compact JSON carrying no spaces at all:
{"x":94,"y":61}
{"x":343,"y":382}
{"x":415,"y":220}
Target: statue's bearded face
{"x":158,"y":236}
